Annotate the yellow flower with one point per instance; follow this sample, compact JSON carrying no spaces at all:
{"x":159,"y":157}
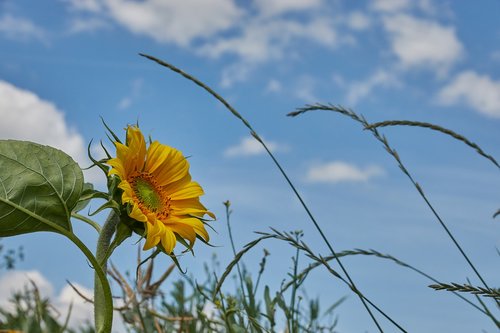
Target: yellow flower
{"x":158,"y":191}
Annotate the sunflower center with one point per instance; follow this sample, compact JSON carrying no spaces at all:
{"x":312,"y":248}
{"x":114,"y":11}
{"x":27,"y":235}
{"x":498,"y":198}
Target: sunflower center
{"x":151,"y":196}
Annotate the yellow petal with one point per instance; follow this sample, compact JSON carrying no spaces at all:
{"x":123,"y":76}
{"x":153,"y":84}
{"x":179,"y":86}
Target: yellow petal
{"x":190,"y":190}
{"x":151,"y":242}
{"x":117,"y":168}
{"x":155,"y":156}
{"x":178,"y":185}
{"x":167,"y":164}
{"x":197,"y":225}
{"x":168,"y":240}
{"x":128,"y":192}
{"x":137,"y":148}
{"x":124,"y":155}
{"x":183,"y":230}
{"x":137,"y":214}
{"x":189,"y":207}
{"x":153,"y":234}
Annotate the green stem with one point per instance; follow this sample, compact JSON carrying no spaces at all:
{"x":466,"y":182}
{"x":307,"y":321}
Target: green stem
{"x":85,"y":219}
{"x":107,"y":306}
{"x":293,"y":322}
{"x":100,"y":296}
{"x":228,"y":214}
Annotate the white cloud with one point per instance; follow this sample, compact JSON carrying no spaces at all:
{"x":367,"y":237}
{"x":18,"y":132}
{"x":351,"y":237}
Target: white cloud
{"x":25,"y":116}
{"x":176,"y":21}
{"x":92,"y":24}
{"x":19,"y":28}
{"x":358,"y":21}
{"x":495,"y":55}
{"x":273,"y":86}
{"x":305,"y":89}
{"x":479,"y":92}
{"x":87,"y":5}
{"x":220,"y":27}
{"x":135,"y":91}
{"x":338,"y":171}
{"x":262,"y":40}
{"x":418,"y":42}
{"x":251,"y":147}
{"x":361,"y":89}
{"x":82,"y":310}
{"x":390,"y":5}
{"x":427,"y":6}
{"x":17,"y":281}
{"x":236,"y":72}
{"x":275,"y":7}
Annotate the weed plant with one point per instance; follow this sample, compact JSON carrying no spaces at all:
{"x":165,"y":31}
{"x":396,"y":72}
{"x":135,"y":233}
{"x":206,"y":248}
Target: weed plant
{"x":187,"y":305}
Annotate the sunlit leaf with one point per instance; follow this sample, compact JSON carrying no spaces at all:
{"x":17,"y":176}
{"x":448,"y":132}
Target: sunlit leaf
{"x":39,"y":187}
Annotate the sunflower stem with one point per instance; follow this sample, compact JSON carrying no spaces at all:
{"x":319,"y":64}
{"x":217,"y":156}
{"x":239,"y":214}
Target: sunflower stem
{"x":103,"y":243}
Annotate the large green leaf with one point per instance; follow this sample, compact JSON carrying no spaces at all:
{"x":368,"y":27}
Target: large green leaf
{"x":39,"y":187}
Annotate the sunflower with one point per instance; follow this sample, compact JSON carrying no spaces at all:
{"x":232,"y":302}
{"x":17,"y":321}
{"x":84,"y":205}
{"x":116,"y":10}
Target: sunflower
{"x":158,"y":191}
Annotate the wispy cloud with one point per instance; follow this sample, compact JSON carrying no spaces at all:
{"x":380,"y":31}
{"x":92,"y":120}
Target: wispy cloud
{"x":495,"y":55}
{"x":262,"y":40}
{"x":250,"y":147}
{"x":358,"y":21}
{"x":253,"y":35}
{"x":276,"y":7}
{"x":390,"y":6}
{"x":399,"y":6}
{"x":423,"y":43}
{"x":86,"y":5}
{"x":92,"y":24}
{"x":339,"y":171}
{"x":479,"y":92}
{"x":236,"y":72}
{"x":274,"y":86}
{"x":175,"y":21}
{"x":305,"y":89}
{"x":135,"y":92}
{"x":361,"y":89}
{"x":20,"y":28}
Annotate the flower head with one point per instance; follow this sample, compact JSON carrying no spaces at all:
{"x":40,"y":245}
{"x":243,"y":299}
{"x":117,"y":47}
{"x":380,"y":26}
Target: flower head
{"x":158,"y":191}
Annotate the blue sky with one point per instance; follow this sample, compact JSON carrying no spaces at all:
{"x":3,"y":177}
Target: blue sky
{"x":65,"y":63}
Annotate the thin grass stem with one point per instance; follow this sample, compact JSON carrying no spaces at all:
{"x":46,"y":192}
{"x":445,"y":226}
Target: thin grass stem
{"x":377,"y":254}
{"x":256,"y":136}
{"x":294,"y":289}
{"x":351,"y":114}
{"x":435,"y":128}
{"x":228,"y":222}
{"x":289,"y":239}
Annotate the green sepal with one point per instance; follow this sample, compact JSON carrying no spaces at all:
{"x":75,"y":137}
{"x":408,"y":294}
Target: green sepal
{"x":188,"y":246}
{"x":87,"y":195}
{"x":117,"y":139}
{"x":112,"y":204}
{"x":95,"y":162}
{"x":159,"y":248}
{"x":84,"y":199}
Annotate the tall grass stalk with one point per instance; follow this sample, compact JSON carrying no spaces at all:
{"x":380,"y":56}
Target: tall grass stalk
{"x":278,"y":165}
{"x":374,"y":253}
{"x":437,"y":128}
{"x":303,"y":247}
{"x":381,"y":138}
{"x":227,"y":205}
